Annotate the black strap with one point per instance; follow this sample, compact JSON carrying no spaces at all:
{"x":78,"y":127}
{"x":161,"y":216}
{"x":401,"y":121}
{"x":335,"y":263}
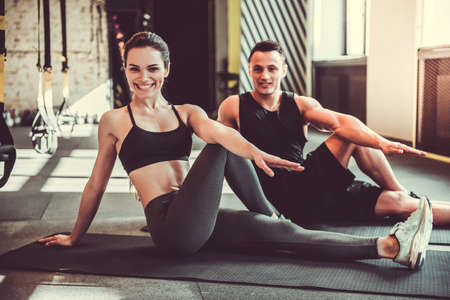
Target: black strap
{"x":38,"y":64}
{"x":8,"y":156}
{"x":176,"y":114}
{"x":2,"y":32}
{"x":47,"y":58}
{"x":65,"y":65}
{"x":131,"y":115}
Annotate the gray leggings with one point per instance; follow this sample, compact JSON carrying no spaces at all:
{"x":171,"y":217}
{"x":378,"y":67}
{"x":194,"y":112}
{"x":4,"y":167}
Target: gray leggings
{"x":182,"y":222}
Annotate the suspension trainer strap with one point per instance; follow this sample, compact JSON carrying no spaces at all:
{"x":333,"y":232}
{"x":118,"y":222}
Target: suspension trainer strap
{"x":38,"y":64}
{"x":47,"y":58}
{"x":2,"y":52}
{"x":42,"y":133}
{"x":65,"y":59}
{"x":40,"y":96}
{"x":2,"y":28}
{"x":5,"y":134}
{"x":42,"y":114}
{"x":48,"y":94}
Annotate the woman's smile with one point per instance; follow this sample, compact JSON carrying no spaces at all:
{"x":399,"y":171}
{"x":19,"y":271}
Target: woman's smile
{"x":144,"y":86}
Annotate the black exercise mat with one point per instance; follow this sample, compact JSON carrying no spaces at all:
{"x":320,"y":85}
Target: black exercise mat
{"x":136,"y":256}
{"x":16,"y":206}
{"x":439,"y":235}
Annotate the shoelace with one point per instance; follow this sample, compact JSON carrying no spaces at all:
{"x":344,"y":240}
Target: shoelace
{"x":407,"y":225}
{"x":402,"y":227}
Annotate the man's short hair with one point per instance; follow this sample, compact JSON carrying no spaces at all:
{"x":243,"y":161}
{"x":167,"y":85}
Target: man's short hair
{"x":267,"y":46}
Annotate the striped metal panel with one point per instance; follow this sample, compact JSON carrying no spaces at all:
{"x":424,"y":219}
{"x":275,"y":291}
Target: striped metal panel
{"x":284,"y":21}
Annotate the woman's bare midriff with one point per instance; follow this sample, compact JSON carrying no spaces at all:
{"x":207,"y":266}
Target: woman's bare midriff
{"x":158,"y":179}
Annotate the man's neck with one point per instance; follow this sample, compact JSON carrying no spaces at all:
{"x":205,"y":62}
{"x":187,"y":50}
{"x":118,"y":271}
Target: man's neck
{"x":270,"y":102}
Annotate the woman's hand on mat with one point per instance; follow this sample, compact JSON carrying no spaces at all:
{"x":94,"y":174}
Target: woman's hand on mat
{"x":265,"y":161}
{"x":389,"y":147}
{"x":58,"y":239}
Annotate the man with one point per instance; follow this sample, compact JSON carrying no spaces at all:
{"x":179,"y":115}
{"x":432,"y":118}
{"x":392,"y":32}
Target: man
{"x":277,"y":122}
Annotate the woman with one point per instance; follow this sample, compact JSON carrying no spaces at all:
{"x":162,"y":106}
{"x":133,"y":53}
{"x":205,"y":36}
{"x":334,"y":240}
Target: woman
{"x":153,"y":140}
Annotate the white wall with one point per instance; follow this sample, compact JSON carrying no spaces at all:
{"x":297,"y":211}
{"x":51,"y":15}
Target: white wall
{"x":328,"y":28}
{"x":392,"y":68}
{"x":436,"y":23}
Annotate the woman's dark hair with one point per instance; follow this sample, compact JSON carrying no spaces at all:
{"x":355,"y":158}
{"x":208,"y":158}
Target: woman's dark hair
{"x":147,"y":39}
{"x":267,"y":46}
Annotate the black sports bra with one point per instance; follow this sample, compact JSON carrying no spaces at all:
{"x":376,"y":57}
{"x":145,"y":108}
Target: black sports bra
{"x":141,"y":147}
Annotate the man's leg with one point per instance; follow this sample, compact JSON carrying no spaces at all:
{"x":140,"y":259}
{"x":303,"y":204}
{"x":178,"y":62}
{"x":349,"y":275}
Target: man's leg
{"x":394,"y":200}
{"x":374,"y":164}
{"x":370,"y":161}
{"x":400,"y":204}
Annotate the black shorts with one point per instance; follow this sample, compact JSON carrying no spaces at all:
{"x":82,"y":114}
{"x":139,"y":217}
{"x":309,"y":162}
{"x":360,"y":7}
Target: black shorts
{"x":324,"y":191}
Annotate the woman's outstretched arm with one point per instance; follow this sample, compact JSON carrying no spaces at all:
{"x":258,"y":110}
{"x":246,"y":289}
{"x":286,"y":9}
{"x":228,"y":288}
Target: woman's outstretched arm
{"x":95,"y":187}
{"x":213,"y":132}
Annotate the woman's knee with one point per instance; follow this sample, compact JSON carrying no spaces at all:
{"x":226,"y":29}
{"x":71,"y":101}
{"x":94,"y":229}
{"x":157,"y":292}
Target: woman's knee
{"x":210,"y":155}
{"x":236,"y":163}
{"x":215,"y":148}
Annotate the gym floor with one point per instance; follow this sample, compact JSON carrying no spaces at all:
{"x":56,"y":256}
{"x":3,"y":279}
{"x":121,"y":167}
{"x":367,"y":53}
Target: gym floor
{"x":43,"y":195}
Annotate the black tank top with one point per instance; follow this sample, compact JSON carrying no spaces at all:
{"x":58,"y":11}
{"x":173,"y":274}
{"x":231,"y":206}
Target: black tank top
{"x":279,"y":132}
{"x":141,"y":147}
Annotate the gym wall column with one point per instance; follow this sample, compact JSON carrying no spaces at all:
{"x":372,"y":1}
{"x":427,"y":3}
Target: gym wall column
{"x":221,"y":47}
{"x":188,"y":29}
{"x":285,"y":22}
{"x":392,"y":68}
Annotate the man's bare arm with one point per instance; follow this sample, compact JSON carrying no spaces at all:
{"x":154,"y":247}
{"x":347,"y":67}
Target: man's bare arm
{"x":228,"y":113}
{"x":349,"y":128}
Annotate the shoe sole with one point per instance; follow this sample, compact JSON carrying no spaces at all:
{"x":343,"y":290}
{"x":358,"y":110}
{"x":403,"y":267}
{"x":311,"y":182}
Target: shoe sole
{"x":421,"y":238}
{"x":427,"y":234}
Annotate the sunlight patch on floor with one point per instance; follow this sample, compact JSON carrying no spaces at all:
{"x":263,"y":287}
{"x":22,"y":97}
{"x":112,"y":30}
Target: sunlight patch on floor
{"x":14,"y":184}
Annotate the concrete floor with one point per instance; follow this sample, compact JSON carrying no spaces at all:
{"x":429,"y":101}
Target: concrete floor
{"x":49,"y":188}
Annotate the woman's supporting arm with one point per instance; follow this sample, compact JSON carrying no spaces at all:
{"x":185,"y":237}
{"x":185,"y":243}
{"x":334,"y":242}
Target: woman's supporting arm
{"x":95,"y":187}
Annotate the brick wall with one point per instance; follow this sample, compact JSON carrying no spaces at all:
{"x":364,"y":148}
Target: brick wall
{"x":87,"y":45}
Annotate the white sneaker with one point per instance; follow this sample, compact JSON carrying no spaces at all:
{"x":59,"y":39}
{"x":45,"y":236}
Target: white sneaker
{"x":413,"y":235}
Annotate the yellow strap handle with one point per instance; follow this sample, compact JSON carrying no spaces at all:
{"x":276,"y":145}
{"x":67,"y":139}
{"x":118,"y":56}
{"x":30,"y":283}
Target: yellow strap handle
{"x":48,"y":85}
{"x":48,"y":99}
{"x":2,"y":23}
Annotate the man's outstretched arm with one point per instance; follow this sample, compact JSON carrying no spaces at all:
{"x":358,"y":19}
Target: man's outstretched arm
{"x":349,"y":128}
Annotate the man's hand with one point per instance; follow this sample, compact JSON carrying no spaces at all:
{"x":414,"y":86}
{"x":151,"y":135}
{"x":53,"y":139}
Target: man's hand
{"x":389,"y":147}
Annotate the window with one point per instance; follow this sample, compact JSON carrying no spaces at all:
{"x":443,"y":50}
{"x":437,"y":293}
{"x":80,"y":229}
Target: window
{"x":356,"y":27}
{"x":339,"y":28}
